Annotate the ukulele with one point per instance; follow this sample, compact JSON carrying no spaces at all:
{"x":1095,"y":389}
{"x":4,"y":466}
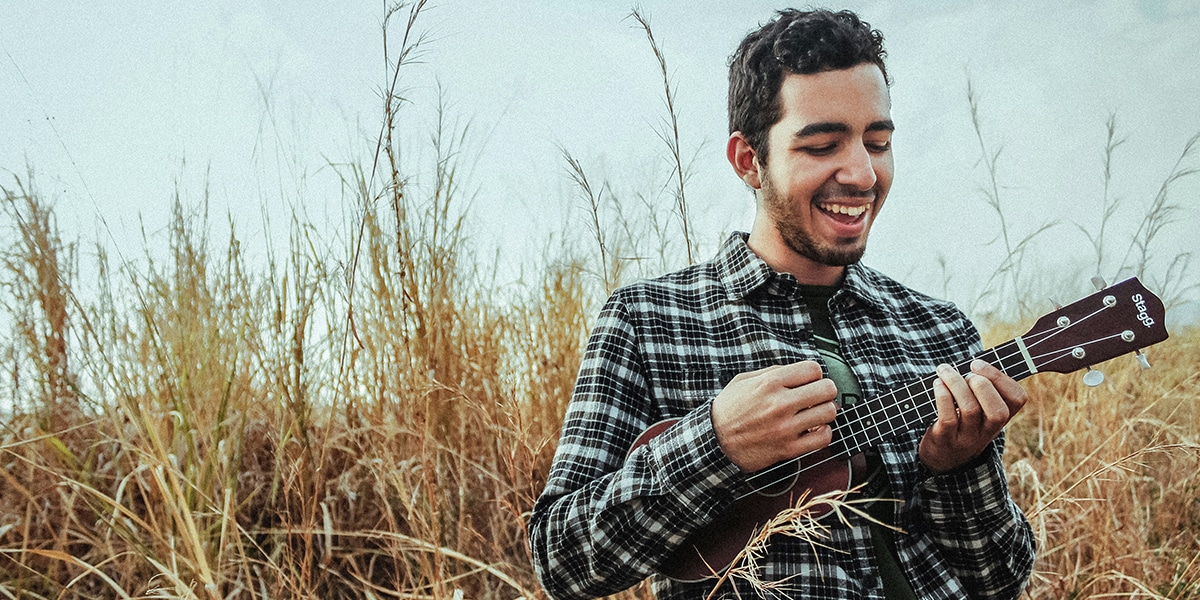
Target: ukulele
{"x":1117,"y":320}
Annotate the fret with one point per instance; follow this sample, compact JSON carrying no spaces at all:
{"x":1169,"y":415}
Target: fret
{"x":862,"y":437}
{"x":843,"y":431}
{"x":909,"y":400}
{"x":873,"y":411}
{"x":992,"y":356}
{"x":923,"y":402}
{"x":867,"y":423}
{"x":963,"y":368}
{"x":912,"y":405}
{"x":893,"y":413}
{"x":1009,"y":358}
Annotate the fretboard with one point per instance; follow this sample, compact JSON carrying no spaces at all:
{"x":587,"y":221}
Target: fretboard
{"x":911,"y":406}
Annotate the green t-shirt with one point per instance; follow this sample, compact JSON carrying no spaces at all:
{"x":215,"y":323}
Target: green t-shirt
{"x":895,"y":583}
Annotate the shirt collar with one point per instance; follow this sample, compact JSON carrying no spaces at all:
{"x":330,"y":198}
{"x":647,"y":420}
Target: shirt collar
{"x":742,"y":272}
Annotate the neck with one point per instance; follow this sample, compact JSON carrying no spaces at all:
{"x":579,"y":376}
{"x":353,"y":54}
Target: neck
{"x":780,"y":257}
{"x":912,"y":406}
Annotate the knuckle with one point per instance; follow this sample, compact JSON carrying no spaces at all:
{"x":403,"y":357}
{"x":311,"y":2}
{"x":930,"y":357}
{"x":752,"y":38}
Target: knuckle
{"x":813,"y":439}
{"x":778,"y":408}
{"x":814,"y":394}
{"x":823,"y":435}
{"x":980,"y":383}
{"x":831,"y":389}
{"x":971,"y":413}
{"x":808,"y":372}
{"x":827,"y":411}
{"x":1021,"y":398}
{"x":765,"y":387}
{"x":826,"y":389}
{"x":999,"y":417}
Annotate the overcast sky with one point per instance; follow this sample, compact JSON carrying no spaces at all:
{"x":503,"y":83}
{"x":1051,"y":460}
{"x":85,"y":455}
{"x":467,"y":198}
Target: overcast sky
{"x":115,"y":105}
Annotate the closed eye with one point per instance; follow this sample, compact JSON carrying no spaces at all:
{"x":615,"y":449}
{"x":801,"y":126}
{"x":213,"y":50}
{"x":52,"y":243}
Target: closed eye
{"x":825,"y":150}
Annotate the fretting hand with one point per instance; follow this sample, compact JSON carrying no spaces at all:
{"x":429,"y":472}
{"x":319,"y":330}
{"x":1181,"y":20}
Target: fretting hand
{"x":972,"y":411}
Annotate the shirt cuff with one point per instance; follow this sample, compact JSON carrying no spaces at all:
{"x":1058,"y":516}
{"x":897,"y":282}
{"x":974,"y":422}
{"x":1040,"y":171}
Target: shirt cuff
{"x":977,"y":488}
{"x":690,"y":462}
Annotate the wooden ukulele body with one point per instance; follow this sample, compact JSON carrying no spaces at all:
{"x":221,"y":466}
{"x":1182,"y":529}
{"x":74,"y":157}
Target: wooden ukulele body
{"x":713,"y":549}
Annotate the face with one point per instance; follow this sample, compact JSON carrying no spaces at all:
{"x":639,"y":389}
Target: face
{"x":828,"y":171}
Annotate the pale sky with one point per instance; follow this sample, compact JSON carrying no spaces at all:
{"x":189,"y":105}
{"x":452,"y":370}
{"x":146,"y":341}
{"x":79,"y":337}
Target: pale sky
{"x":115,"y":105}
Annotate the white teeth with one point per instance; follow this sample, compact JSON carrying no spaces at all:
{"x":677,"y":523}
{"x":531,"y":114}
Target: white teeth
{"x":852,"y":211}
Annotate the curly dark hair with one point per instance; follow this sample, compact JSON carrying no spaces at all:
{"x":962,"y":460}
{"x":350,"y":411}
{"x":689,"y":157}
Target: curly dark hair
{"x":794,"y":42}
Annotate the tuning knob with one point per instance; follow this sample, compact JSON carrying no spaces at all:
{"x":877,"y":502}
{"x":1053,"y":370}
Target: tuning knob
{"x":1142,"y":360}
{"x":1093,"y":377}
{"x":1099,"y":283}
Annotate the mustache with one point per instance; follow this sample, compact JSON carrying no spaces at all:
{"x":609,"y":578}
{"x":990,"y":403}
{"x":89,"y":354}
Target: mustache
{"x":838,"y":190}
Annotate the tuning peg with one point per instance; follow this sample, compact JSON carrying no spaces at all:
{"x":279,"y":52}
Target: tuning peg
{"x":1093,"y":377}
{"x":1057,"y":306}
{"x":1142,"y":360}
{"x":1099,"y":282}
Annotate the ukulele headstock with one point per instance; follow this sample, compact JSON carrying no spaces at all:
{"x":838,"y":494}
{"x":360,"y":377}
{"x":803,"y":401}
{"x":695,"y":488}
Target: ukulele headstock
{"x":1119,"y":319}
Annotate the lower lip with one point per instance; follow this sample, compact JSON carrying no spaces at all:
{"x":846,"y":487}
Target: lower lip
{"x":845,"y":225}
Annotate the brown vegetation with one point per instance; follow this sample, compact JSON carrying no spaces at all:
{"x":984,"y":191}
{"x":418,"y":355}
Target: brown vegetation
{"x":205,"y":430}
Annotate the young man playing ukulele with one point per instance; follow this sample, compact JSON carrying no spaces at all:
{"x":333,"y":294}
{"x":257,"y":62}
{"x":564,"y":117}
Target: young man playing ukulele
{"x":757,"y":351}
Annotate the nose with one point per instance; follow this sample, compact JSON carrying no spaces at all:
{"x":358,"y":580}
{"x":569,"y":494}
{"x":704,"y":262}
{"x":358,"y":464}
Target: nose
{"x":858,"y":170}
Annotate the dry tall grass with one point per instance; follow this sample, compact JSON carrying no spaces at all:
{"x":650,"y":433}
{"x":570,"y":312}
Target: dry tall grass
{"x":1110,"y":477}
{"x":208,"y":439}
{"x":194,"y":431}
{"x":371,"y":422}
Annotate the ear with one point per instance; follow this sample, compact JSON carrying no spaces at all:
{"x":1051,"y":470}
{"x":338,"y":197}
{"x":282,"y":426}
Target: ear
{"x":743,"y":159}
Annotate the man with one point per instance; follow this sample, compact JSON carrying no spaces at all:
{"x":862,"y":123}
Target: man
{"x":757,"y":350}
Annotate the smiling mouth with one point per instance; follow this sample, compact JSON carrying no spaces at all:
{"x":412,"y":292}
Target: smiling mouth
{"x":844,"y":210}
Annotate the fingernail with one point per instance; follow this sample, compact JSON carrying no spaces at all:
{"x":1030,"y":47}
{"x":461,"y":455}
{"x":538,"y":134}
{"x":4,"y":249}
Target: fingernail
{"x":978,"y":364}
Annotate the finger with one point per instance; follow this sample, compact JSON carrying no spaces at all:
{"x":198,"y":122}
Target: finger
{"x":822,"y":391}
{"x":1013,"y":393}
{"x":815,"y":416}
{"x":995,"y":412}
{"x":797,"y":374}
{"x":947,"y":415}
{"x":970,"y":414}
{"x":752,"y":374}
{"x":811,"y":440}
{"x":790,"y":375}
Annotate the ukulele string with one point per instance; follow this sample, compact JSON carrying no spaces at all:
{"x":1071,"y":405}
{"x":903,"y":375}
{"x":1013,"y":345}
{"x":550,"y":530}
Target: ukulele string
{"x":1065,"y":353}
{"x":1053,"y":332}
{"x":926,"y":387}
{"x":786,"y":465}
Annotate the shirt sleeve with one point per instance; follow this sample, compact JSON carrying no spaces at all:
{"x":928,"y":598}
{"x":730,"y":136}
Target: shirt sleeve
{"x":983,"y":536}
{"x":608,"y":516}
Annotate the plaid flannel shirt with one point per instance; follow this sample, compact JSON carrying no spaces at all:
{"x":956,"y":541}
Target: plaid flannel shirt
{"x":665,"y":348}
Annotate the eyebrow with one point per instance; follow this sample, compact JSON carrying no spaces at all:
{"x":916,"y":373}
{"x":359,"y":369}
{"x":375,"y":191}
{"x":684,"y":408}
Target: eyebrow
{"x":886,"y":125}
{"x":834,"y":127}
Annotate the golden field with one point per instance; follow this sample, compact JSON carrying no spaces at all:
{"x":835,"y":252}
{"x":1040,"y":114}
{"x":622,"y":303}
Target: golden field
{"x":205,"y":430}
